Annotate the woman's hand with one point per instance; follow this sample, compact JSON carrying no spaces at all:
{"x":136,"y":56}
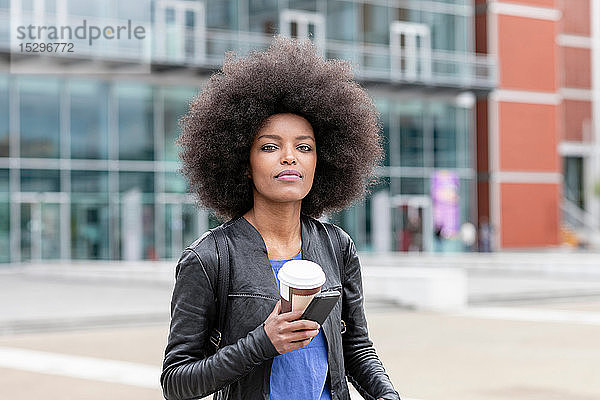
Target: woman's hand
{"x":286,"y":333}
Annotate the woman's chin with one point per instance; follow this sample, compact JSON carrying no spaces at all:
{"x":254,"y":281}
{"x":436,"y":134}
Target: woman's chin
{"x":287,"y":198}
{"x":286,"y":195}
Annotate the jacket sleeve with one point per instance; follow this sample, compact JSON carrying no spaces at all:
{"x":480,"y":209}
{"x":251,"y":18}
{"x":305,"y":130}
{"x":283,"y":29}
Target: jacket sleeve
{"x":363,"y":367}
{"x":186,"y":372}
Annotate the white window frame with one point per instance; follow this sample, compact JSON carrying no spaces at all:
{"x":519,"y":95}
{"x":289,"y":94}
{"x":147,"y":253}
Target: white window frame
{"x":302,"y":20}
{"x":414,"y":56}
{"x":180,"y":7}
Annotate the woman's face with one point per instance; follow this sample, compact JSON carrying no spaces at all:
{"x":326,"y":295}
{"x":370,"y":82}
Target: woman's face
{"x":285,"y":143}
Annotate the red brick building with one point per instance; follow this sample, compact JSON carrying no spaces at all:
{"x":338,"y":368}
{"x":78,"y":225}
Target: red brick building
{"x":537,"y":132}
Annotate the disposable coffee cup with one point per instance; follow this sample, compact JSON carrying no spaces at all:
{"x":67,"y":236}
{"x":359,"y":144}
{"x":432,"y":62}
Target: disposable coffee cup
{"x":299,"y":282}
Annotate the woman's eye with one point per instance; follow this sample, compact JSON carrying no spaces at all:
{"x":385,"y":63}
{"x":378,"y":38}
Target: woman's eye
{"x":268,"y":147}
{"x":305,"y":147}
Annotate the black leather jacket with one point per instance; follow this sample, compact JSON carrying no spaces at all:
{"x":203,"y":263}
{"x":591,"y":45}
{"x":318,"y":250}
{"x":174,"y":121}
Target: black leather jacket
{"x":241,"y":368}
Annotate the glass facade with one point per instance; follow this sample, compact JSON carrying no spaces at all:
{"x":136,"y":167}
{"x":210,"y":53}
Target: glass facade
{"x":88,"y":117}
{"x":89,"y":215}
{"x":135,"y":121}
{"x":39,"y":122}
{"x":4,"y":216}
{"x":422,"y":136}
{"x":175,"y":102}
{"x":96,"y":176}
{"x":4,"y":127}
{"x":80,"y":210}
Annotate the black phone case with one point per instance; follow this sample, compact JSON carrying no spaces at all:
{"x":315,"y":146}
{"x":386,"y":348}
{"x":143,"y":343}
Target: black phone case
{"x":320,"y":306}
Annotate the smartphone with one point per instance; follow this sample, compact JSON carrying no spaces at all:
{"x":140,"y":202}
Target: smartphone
{"x":320,"y":306}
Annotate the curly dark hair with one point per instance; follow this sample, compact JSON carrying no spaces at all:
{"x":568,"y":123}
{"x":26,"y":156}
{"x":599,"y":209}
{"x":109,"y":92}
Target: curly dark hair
{"x":288,"y":77}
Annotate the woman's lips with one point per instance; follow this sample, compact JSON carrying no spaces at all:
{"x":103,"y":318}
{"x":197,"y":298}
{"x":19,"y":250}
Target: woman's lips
{"x":288,"y":178}
{"x":289,"y":175}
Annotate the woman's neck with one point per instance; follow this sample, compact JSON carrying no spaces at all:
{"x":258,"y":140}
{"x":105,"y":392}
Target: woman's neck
{"x":279,"y":227}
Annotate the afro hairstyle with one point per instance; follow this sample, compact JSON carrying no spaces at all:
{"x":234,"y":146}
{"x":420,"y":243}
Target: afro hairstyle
{"x":289,"y":77}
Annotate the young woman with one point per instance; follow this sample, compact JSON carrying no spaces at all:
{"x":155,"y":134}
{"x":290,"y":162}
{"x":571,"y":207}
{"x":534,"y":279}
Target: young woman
{"x":276,"y":139}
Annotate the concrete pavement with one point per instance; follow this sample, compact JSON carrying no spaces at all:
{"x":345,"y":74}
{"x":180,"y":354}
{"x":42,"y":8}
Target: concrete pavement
{"x":81,"y":294}
{"x":429,"y":356}
{"x":99,"y":331}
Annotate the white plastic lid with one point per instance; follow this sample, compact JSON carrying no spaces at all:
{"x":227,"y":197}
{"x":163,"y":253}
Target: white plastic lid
{"x":301,"y":274}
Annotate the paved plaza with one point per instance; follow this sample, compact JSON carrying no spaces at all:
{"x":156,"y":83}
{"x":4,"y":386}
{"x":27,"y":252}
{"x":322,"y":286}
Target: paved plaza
{"x":90,"y":338}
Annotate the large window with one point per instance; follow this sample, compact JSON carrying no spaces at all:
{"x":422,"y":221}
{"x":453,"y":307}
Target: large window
{"x":4,"y":217}
{"x":39,"y":117}
{"x":40,"y":180}
{"x":4,"y":113}
{"x":138,"y":11}
{"x":136,"y":122}
{"x":375,"y":24}
{"x":382,"y":105}
{"x":88,"y":8}
{"x":4,"y":182}
{"x":306,"y":5}
{"x":263,"y":16}
{"x":448,"y":31}
{"x":409,"y":119}
{"x":341,"y":20}
{"x":175,"y":106}
{"x":174,"y":183}
{"x":142,"y":181}
{"x":221,"y":14}
{"x":464,"y":143}
{"x":89,"y":119}
{"x":444,"y":135}
{"x":573,"y":180}
{"x":90,"y":183}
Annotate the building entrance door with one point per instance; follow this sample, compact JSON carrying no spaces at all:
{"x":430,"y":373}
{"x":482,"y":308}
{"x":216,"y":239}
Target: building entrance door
{"x":412,"y":223}
{"x":40,"y":231}
{"x":183,"y":223}
{"x":89,"y":230}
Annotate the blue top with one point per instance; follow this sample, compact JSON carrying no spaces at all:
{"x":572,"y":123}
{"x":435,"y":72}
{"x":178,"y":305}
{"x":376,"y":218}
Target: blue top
{"x":300,"y":374}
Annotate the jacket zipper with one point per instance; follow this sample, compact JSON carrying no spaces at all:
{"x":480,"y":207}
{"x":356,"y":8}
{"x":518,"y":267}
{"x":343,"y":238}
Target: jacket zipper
{"x":260,"y":296}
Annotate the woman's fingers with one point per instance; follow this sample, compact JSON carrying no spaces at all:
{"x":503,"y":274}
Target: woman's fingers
{"x":287,"y":332}
{"x":290,"y":316}
{"x":276,"y":309}
{"x":303,"y":335}
{"x":301,"y":325}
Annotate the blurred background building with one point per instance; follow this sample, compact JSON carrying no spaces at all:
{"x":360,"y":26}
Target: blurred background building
{"x":489,"y":110}
{"x":538,"y":132}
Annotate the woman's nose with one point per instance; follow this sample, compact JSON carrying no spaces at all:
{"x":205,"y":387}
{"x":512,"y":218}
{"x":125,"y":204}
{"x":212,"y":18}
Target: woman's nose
{"x":288,"y":157}
{"x":288,"y":160}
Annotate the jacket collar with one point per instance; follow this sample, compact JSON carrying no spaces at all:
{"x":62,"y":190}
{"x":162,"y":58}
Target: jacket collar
{"x":307,"y":230}
{"x":256,"y":266}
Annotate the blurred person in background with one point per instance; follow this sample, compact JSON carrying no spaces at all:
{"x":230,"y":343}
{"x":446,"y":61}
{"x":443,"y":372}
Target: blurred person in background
{"x":275,"y":140}
{"x":468,"y":236}
{"x":485,"y":236}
